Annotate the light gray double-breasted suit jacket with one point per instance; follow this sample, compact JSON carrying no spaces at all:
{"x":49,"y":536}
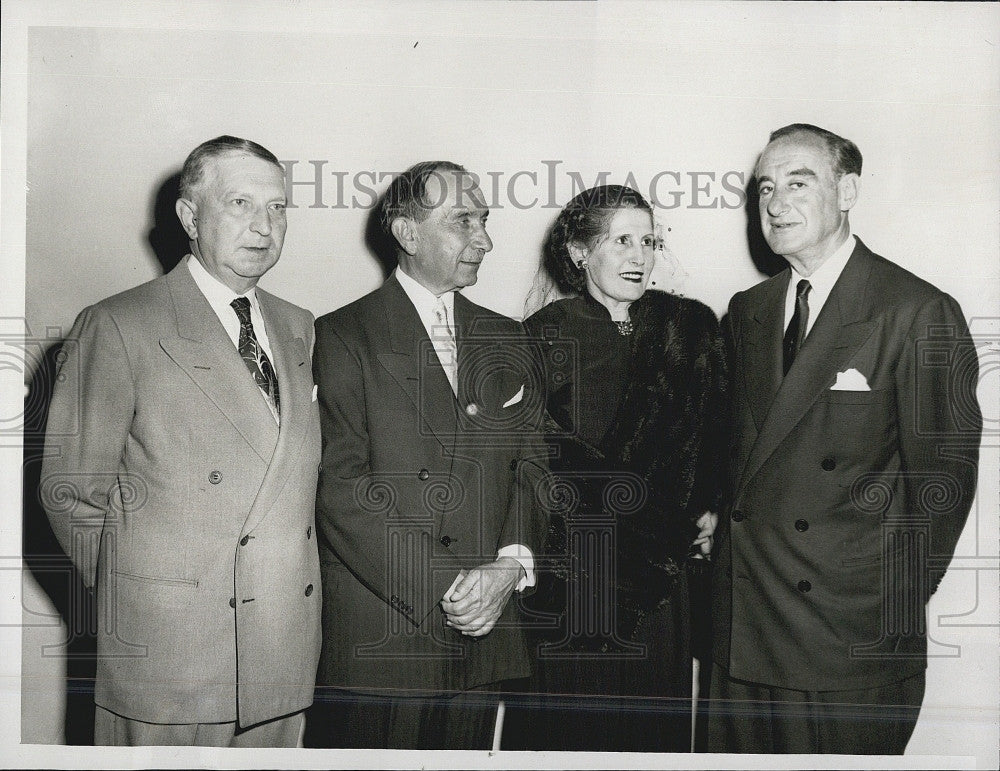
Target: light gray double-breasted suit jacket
{"x":171,"y":486}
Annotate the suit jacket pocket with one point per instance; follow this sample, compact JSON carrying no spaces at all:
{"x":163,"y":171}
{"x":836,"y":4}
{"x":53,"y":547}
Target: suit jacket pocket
{"x":161,"y":580}
{"x":854,"y":397}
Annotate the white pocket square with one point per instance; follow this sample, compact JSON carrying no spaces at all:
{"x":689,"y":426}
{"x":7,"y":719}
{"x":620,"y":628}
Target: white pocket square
{"x":315,"y":390}
{"x":515,"y":398}
{"x":851,"y":380}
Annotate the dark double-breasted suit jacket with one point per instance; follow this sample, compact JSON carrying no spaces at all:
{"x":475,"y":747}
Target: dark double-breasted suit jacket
{"x":845,"y":505}
{"x":171,"y":486}
{"x":417,"y":485}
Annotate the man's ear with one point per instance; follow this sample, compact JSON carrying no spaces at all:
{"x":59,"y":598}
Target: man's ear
{"x":848,"y":189}
{"x":402,"y":228}
{"x":187,"y":213}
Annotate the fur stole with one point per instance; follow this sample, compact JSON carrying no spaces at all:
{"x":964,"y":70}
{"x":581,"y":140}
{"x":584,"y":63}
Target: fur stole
{"x":658,"y":469}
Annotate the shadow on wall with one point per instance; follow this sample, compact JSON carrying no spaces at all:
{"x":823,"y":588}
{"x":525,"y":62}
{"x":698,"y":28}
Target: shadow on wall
{"x":766,"y":261}
{"x":379,"y":243}
{"x":52,"y":569}
{"x":166,"y":237}
{"x":42,"y":554}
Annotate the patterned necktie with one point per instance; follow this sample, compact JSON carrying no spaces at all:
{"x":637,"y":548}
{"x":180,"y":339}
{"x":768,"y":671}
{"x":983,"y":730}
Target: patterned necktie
{"x":796,"y":331}
{"x":444,"y":344}
{"x":255,"y":358}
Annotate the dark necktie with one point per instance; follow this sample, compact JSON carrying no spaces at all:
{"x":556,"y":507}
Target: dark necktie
{"x":255,"y":358}
{"x":796,"y":331}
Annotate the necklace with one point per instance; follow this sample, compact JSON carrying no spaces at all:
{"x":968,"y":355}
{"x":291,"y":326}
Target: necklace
{"x":625,"y":327}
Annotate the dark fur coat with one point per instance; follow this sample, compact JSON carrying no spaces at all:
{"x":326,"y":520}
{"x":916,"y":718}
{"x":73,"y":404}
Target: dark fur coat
{"x":658,"y":469}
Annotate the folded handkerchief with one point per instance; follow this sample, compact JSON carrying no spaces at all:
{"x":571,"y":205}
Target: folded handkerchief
{"x":515,"y":398}
{"x":851,"y":380}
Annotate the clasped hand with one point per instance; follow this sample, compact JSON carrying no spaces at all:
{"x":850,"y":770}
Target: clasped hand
{"x":474,"y":605}
{"x":706,"y":523}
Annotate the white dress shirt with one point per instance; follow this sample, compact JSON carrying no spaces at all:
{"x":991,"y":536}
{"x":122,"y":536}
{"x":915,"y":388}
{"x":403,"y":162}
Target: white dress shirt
{"x":821,"y":283}
{"x":220,"y":297}
{"x":425,"y":302}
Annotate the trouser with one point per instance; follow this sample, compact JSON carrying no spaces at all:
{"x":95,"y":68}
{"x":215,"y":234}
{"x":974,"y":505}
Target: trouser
{"x":111,"y":730}
{"x":347,"y":719}
{"x":754,"y":718}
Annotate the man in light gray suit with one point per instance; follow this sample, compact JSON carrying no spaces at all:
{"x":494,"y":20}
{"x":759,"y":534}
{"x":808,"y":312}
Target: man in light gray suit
{"x":180,"y":477}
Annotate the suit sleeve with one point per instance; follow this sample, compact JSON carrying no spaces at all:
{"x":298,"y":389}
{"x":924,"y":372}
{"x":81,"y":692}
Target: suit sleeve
{"x":712,"y":407}
{"x":527,"y":518}
{"x":353,"y":504}
{"x":90,"y":415}
{"x":939,"y":424}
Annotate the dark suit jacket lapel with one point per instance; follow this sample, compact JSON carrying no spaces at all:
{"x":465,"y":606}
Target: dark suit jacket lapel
{"x":842,"y":326}
{"x":204,"y":351}
{"x":292,"y":366}
{"x":475,"y":382}
{"x":414,"y":365}
{"x":762,"y":368}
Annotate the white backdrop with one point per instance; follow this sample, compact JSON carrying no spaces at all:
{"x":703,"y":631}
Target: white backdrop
{"x":102,"y":102}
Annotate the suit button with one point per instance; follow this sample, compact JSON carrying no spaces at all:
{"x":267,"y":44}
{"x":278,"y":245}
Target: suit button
{"x":244,"y":540}
{"x":309,"y":590}
{"x":513,"y":465}
{"x":309,"y":532}
{"x":801,"y":525}
{"x":423,"y":475}
{"x":804,"y":586}
{"x":215,"y":477}
{"x":232,"y":602}
{"x":737,"y":516}
{"x":828,"y":464}
{"x":446,"y":540}
{"x":472,"y":410}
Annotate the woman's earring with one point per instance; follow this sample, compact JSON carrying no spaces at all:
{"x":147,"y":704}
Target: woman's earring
{"x":581,"y":264}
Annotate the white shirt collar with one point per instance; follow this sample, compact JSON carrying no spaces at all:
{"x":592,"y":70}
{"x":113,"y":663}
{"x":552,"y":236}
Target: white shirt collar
{"x":424,"y":300}
{"x":219,"y":297}
{"x":218,"y":294}
{"x":821,"y":282}
{"x":826,"y":275}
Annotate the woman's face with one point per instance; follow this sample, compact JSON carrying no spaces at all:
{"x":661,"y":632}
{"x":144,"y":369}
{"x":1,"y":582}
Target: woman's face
{"x":618,"y":266}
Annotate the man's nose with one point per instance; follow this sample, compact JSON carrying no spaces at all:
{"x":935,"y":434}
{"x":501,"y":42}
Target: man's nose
{"x":776,"y":204}
{"x":261,"y":222}
{"x":481,"y":239}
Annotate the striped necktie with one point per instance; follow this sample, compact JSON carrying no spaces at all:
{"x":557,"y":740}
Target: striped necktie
{"x":444,"y":344}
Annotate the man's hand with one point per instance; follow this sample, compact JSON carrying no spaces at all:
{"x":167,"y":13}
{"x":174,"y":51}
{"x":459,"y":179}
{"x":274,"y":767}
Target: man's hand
{"x":475,"y":604}
{"x":707,"y":522}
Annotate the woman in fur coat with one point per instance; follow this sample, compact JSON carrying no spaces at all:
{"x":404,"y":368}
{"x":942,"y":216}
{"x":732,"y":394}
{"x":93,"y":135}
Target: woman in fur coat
{"x":636,"y":424}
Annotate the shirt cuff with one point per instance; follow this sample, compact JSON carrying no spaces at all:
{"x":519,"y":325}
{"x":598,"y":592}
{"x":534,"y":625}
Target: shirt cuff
{"x":523,"y":555}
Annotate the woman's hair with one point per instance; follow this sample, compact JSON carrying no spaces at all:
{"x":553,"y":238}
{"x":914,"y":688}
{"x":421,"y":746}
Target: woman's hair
{"x":584,"y":221}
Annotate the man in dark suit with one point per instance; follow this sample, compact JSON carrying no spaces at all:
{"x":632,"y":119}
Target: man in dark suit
{"x":180,"y":471}
{"x":427,"y":504}
{"x":853,"y":471}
